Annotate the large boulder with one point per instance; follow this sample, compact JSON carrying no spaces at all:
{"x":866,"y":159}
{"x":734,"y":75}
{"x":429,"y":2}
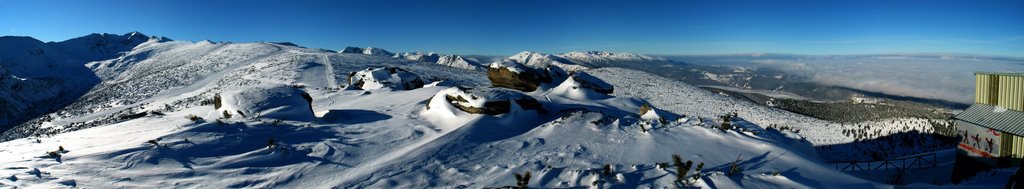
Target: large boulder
{"x":588,"y":81}
{"x":273,"y":102}
{"x":514,"y":75}
{"x":385,"y":77}
{"x":647,"y":113}
{"x":490,"y":101}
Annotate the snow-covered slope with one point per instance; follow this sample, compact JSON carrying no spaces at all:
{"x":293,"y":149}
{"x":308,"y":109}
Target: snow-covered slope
{"x":42,"y":77}
{"x":390,"y":139}
{"x":227,"y":115}
{"x":167,"y":75}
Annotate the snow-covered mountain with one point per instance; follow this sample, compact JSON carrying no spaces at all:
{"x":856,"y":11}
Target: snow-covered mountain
{"x":367,"y":51}
{"x":41,"y":77}
{"x":226,"y":115}
{"x":603,"y":56}
{"x":535,"y":59}
{"x":455,"y":61}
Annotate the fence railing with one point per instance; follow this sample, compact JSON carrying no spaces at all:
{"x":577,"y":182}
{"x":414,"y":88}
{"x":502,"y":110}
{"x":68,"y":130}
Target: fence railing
{"x":919,"y":161}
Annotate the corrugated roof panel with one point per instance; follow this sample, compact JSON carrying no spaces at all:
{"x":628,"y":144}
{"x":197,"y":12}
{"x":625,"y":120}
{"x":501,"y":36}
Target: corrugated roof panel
{"x":1006,"y":120}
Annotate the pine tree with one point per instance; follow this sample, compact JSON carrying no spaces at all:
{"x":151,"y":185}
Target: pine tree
{"x":522,"y":180}
{"x":680,"y":172}
{"x":700,"y":166}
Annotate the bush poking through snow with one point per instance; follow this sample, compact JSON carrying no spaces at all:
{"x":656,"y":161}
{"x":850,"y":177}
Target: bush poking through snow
{"x":735,"y":167}
{"x":607,"y":170}
{"x":680,"y":171}
{"x":56,"y":154}
{"x":194,"y":118}
{"x":522,"y":181}
{"x":696,"y":175}
{"x":271,"y":143}
{"x":726,"y":122}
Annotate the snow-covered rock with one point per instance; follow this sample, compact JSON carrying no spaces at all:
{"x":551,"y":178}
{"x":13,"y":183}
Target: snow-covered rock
{"x":583,"y":86}
{"x":384,"y":77}
{"x":514,"y":75}
{"x":648,"y":113}
{"x":490,"y":101}
{"x":272,"y":102}
{"x":588,"y":81}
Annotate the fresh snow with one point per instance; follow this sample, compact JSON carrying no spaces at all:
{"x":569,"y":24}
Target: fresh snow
{"x":390,"y":138}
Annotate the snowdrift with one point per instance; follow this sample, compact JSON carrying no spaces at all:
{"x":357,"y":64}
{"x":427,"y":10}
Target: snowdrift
{"x":272,"y":102}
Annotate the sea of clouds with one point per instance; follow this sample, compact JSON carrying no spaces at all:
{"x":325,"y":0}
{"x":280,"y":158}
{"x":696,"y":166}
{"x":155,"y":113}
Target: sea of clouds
{"x":948,"y":78}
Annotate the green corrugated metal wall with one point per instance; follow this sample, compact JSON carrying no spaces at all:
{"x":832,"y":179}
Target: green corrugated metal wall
{"x":1003,"y":90}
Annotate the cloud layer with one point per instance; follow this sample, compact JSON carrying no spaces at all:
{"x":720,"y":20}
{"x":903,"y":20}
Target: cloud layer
{"x":935,"y":77}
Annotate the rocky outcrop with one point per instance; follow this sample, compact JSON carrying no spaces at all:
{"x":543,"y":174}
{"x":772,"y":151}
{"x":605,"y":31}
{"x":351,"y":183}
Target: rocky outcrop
{"x":384,"y":77}
{"x":588,"y":81}
{"x":489,"y":101}
{"x":647,"y":113}
{"x":513,"y":75}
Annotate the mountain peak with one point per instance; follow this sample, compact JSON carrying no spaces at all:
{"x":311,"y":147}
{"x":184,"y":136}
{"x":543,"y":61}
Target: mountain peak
{"x":367,"y":51}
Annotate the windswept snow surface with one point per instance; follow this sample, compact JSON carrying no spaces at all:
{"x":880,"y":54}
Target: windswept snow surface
{"x":151,"y":123}
{"x":388,"y":140}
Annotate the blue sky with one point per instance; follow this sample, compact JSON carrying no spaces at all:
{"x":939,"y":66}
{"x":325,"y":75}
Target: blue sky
{"x":507,"y":27}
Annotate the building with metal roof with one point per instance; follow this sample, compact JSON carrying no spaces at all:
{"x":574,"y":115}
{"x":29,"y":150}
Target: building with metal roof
{"x":991,"y":129}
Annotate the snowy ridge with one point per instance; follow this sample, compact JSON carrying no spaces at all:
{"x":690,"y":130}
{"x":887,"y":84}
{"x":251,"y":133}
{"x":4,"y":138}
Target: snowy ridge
{"x":41,"y":77}
{"x":454,"y":61}
{"x":541,"y":60}
{"x":367,"y":51}
{"x":603,"y":56}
